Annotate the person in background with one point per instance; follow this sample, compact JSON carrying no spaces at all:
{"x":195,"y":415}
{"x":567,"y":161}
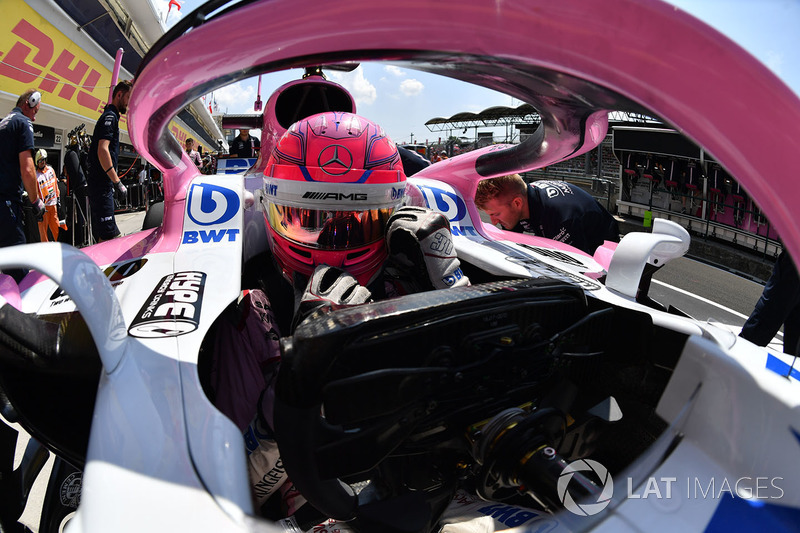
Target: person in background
{"x":76,"y":181}
{"x":413,"y":162}
{"x":779,"y":305}
{"x":553,"y":209}
{"x":193,"y":154}
{"x":103,"y":155}
{"x":49,"y":194}
{"x":18,"y":172}
{"x":245,"y":145}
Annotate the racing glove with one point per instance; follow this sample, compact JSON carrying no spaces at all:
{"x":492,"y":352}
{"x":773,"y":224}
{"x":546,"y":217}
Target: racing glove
{"x":420,"y":241}
{"x":38,"y":209}
{"x":328,"y":289}
{"x":122,"y":191}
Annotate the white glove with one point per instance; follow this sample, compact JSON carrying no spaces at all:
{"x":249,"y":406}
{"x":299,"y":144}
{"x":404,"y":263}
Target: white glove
{"x":38,"y":209}
{"x":122,"y":191}
{"x":420,"y":240}
{"x":329,"y":288}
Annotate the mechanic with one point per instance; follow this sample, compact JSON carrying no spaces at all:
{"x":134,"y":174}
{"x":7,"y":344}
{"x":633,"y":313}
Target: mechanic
{"x":17,"y":171}
{"x":244,"y":144}
{"x":552,"y":209}
{"x":103,"y":154}
{"x":49,"y":194}
{"x":348,"y":243}
{"x":779,"y":305}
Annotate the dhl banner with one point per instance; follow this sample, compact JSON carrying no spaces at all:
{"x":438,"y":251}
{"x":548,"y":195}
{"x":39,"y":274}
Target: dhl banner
{"x":34,"y":54}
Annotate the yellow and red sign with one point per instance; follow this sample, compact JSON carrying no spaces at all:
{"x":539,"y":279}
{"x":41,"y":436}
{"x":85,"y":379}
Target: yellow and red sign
{"x":35,"y":54}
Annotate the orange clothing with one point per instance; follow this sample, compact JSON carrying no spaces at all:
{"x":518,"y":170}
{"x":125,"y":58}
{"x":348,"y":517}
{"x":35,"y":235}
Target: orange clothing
{"x":50,"y":220}
{"x":48,"y":185}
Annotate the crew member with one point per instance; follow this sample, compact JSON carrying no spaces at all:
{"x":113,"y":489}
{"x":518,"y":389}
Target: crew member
{"x":17,"y":171}
{"x":552,"y":209}
{"x":103,"y":154}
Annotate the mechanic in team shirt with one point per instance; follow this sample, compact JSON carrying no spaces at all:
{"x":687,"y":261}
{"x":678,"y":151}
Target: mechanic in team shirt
{"x":553,"y":209}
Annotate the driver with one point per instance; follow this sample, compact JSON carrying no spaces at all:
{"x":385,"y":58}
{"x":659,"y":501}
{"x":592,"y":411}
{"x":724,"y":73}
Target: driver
{"x":339,"y":235}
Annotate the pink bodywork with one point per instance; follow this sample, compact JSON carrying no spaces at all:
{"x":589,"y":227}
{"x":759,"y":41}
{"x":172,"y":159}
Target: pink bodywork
{"x":650,"y":52}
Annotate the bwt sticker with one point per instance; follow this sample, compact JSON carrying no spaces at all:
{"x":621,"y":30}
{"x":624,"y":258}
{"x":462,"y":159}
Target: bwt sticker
{"x":173,"y":308}
{"x":211,"y":204}
{"x":450,"y":204}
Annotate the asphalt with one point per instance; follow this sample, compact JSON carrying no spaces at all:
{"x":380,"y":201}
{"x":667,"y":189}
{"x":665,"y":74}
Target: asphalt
{"x":129,"y":222}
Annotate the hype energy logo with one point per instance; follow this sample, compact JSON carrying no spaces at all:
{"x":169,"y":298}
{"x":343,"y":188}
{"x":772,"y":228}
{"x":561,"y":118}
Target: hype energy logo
{"x":585,"y":508}
{"x":211,"y":205}
{"x":173,"y":308}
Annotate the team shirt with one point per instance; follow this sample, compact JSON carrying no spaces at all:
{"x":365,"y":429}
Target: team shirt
{"x":568,"y":214}
{"x":241,"y":148}
{"x":107,"y":128}
{"x":16,"y":136}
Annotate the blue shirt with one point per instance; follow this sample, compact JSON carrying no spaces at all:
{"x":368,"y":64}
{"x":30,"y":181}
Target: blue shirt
{"x":568,"y":214}
{"x":107,"y":128}
{"x":16,"y":136}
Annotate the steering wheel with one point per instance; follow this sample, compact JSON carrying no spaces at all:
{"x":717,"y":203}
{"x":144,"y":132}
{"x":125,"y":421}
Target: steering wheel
{"x":355,"y":384}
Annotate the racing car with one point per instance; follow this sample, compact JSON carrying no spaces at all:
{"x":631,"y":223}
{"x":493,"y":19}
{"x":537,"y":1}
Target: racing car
{"x":551,"y":395}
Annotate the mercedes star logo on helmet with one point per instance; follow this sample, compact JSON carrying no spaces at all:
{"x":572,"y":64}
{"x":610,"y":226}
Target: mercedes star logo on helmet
{"x":335,"y":160}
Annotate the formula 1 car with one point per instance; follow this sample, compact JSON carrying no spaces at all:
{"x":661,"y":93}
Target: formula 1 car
{"x":551,"y":395}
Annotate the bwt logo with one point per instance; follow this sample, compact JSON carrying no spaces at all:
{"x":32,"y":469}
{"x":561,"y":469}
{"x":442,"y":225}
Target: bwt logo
{"x":585,"y":509}
{"x":210,"y":236}
{"x":271,"y":189}
{"x":447,"y":202}
{"x":211,"y":204}
{"x":397,"y":194}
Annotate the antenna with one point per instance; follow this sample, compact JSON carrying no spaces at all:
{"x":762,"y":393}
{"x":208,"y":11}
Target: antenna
{"x":258,"y":105}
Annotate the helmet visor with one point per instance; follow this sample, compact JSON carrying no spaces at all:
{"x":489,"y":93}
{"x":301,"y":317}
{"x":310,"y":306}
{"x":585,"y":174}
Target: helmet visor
{"x":328,"y":230}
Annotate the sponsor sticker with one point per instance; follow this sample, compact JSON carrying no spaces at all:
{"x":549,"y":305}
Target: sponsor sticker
{"x":115,"y":273}
{"x":447,"y":202}
{"x":173,"y":308}
{"x":70,"y":492}
{"x":210,"y":204}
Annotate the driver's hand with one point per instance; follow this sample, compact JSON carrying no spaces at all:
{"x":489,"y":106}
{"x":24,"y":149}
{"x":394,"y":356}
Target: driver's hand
{"x":420,"y":240}
{"x":329,"y":288}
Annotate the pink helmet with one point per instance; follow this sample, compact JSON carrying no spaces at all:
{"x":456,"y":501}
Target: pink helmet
{"x":331,"y":183}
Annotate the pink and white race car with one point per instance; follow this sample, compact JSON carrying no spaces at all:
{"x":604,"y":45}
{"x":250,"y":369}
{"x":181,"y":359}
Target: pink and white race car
{"x":551,"y":395}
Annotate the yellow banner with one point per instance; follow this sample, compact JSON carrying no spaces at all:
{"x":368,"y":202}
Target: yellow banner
{"x":36,"y":55}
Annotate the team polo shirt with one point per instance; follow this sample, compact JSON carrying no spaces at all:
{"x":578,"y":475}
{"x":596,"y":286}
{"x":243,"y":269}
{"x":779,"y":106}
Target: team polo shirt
{"x":16,"y":136}
{"x":568,"y":214}
{"x":107,"y":128}
{"x":241,"y":148}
